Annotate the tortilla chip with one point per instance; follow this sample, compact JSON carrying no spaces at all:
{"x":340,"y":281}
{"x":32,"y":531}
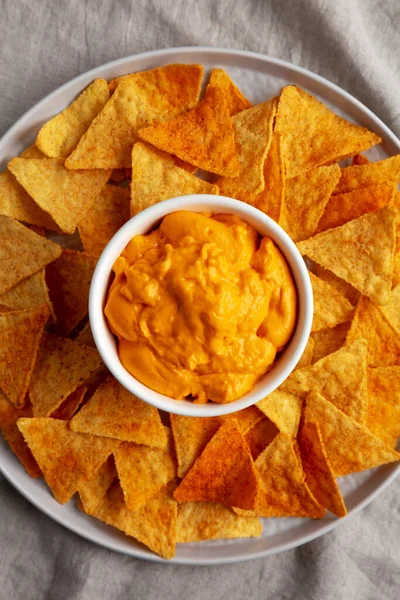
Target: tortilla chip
{"x":270,"y":199}
{"x":143,"y":471}
{"x":203,"y":136}
{"x":69,"y":279}
{"x":391,"y":310}
{"x":360,"y":159}
{"x":283,"y":489}
{"x":61,"y":366}
{"x":360,"y":252}
{"x":330,"y":307}
{"x":384,"y":382}
{"x":154,"y":525}
{"x":114,"y":412}
{"x":306,"y":197}
{"x":349,"y":446}
{"x":28,"y":293}
{"x":139,"y":100}
{"x":9,"y":416}
{"x":383,"y":420}
{"x":340,"y":377}
{"x":369,"y":174}
{"x":16,"y":203}
{"x":184,"y":165}
{"x":208,"y":521}
{"x":329,"y":340}
{"x":260,"y":436}
{"x":93,"y":491}
{"x":307,"y":357}
{"x":68,"y":408}
{"x":65,"y":458}
{"x":234,"y":98}
{"x":319,"y":474}
{"x":224,"y":472}
{"x":383,"y":341}
{"x":32,"y":152}
{"x":340,"y":285}
{"x":105,"y":217}
{"x":22,"y":253}
{"x":312,"y":135}
{"x":396,"y":258}
{"x":65,"y":195}
{"x":59,"y":136}
{"x":85,"y":336}
{"x":284,"y":409}
{"x":253,"y":134}
{"x":245,"y":418}
{"x":20,"y":334}
{"x":342,"y":208}
{"x":155,"y":177}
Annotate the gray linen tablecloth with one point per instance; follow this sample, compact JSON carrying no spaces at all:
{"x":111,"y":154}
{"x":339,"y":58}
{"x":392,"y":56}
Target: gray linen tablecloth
{"x":354,"y":43}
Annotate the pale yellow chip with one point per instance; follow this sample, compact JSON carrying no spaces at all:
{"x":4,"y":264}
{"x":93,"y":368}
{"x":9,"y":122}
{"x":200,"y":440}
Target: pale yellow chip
{"x":155,"y":177}
{"x":61,"y":367}
{"x":66,"y":458}
{"x":368,"y":174}
{"x":305,"y":199}
{"x":307,"y":357}
{"x":330,"y":307}
{"x":319,"y":475}
{"x":283,"y":489}
{"x":28,"y":293}
{"x":340,"y":377}
{"x":233,"y":96}
{"x":138,"y":101}
{"x":143,"y":471}
{"x":259,"y":436}
{"x":349,"y":446}
{"x":360,"y":252}
{"x":154,"y":525}
{"x":20,"y":334}
{"x":93,"y":491}
{"x":59,"y":136}
{"x":114,"y":412}
{"x":66,"y":195}
{"x":209,"y":521}
{"x":313,"y":135}
{"x":105,"y":217}
{"x":327,"y":341}
{"x":22,"y":253}
{"x":341,"y":286}
{"x":284,"y":409}
{"x":253,"y":135}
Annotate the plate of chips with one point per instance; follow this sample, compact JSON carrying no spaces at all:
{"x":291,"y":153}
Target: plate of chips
{"x":96,"y":459}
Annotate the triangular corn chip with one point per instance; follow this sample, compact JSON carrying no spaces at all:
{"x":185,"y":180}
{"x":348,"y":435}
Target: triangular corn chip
{"x":139,"y":100}
{"x":368,"y":174}
{"x":61,"y":366}
{"x":384,"y":383}
{"x":143,"y":471}
{"x":114,"y":412}
{"x":342,"y":208}
{"x":327,"y":341}
{"x":340,"y":377}
{"x":360,"y":159}
{"x":307,"y":357}
{"x":85,"y":336}
{"x":223,"y":473}
{"x":65,"y":458}
{"x":203,"y":136}
{"x":22,"y":253}
{"x":260,"y":436}
{"x":360,"y":252}
{"x":65,"y":195}
{"x":319,"y":474}
{"x":105,"y":217}
{"x":32,"y":152}
{"x":68,"y":408}
{"x":284,"y":409}
{"x":253,"y":135}
{"x":391,"y":310}
{"x":340,"y":285}
{"x":383,"y":413}
{"x":383,"y":341}
{"x":246,"y":418}
{"x":69,"y":279}
{"x":330,"y":307}
{"x":396,"y":258}
{"x":233,"y":96}
{"x":20,"y":334}
{"x":349,"y":446}
{"x":154,"y":525}
{"x":93,"y":491}
{"x":59,"y":136}
{"x":270,"y":199}
{"x":313,"y":135}
{"x":209,"y":521}
{"x":28,"y":293}
{"x":156,"y":177}
{"x":283,"y":490}
{"x":305,"y":199}
{"x":9,"y":416}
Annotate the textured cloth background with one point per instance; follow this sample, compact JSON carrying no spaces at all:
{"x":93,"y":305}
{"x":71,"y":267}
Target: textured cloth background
{"x":354,"y":43}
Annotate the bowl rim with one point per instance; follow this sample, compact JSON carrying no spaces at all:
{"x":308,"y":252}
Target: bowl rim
{"x":147,"y":220}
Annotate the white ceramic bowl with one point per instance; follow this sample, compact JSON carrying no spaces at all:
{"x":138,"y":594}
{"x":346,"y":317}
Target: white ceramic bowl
{"x":147,"y":220}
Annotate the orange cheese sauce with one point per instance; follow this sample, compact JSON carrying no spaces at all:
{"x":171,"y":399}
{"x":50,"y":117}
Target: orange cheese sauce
{"x":201,"y":306}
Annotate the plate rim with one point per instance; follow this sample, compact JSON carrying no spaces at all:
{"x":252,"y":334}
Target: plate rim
{"x":83,"y":79}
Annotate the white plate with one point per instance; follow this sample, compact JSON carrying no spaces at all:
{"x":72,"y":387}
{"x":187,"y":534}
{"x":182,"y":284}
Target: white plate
{"x":259,"y":77}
